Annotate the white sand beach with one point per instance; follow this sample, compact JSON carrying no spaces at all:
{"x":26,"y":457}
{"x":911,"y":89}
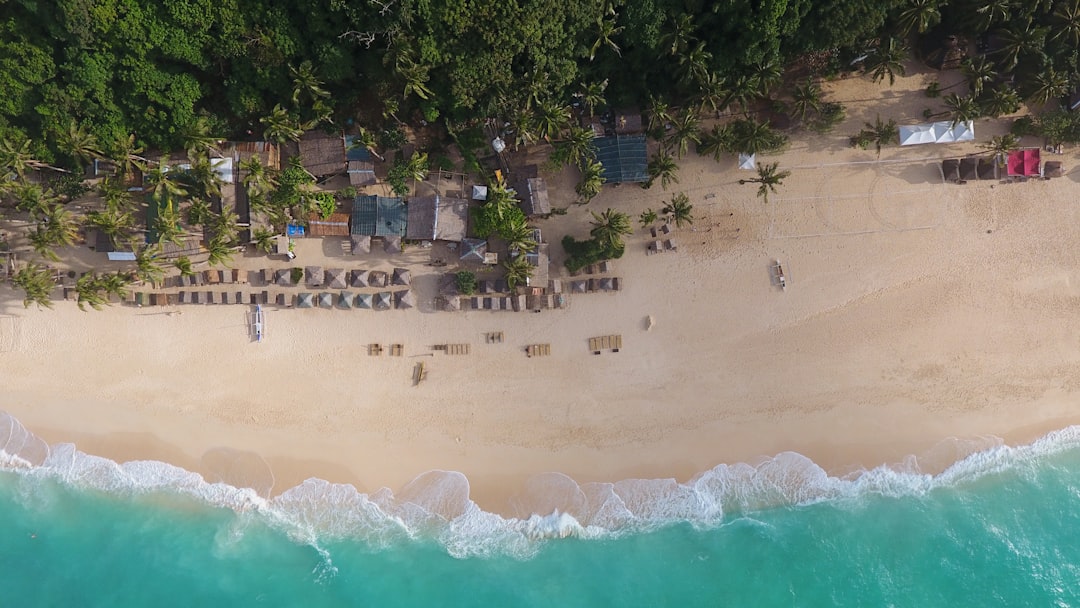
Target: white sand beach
{"x":915,"y":312}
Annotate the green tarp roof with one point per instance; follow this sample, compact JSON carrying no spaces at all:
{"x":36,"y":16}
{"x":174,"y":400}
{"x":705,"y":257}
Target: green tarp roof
{"x":625,"y":158}
{"x":378,"y":216}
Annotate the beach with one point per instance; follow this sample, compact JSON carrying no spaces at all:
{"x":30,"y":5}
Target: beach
{"x":921,"y":319}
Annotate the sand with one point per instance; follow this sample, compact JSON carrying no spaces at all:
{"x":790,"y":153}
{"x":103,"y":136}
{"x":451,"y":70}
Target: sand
{"x":920,"y":319}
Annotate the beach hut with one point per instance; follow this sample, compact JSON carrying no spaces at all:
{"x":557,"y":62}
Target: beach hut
{"x":363,"y":301}
{"x":581,"y":286}
{"x":534,"y":198}
{"x":337,"y":224}
{"x":345,"y":299}
{"x":382,"y":301}
{"x":606,"y":284}
{"x":335,"y":278}
{"x":452,"y":303}
{"x":361,"y":244}
{"x":314,"y":276}
{"x":405,"y":299}
{"x":401,"y":276}
{"x":392,"y":244}
{"x":326,"y":299}
{"x":305,"y":300}
{"x":377,"y":278}
{"x":283,"y":277}
{"x":322,"y":154}
{"x":359,"y":278}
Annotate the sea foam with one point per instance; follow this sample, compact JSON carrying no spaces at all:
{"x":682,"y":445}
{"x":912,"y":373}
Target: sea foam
{"x":436,"y":505}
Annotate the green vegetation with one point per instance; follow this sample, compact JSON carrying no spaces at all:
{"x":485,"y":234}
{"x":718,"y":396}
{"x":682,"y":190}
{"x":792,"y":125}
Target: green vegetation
{"x":466,"y":282}
{"x":767,"y":180}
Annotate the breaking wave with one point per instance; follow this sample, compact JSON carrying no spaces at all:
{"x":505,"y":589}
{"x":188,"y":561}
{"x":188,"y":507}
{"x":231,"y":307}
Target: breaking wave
{"x":436,"y":505}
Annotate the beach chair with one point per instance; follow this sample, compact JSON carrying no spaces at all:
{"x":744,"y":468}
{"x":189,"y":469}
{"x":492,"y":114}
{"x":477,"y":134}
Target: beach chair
{"x":781,"y":280}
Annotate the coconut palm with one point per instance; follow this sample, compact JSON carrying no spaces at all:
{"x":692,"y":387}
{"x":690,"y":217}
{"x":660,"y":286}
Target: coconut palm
{"x":749,"y":136}
{"x":32,"y":198}
{"x":263,"y":240}
{"x":202,"y":180}
{"x":576,"y":148}
{"x":305,"y":82}
{"x":591,"y":95}
{"x":605,"y":34}
{"x":681,"y":35}
{"x":742,"y":93}
{"x":89,"y":290}
{"x":714,"y":142}
{"x":167,"y":224}
{"x":694,"y":64}
{"x":225,"y":226}
{"x":992,"y":12}
{"x":259,"y":180}
{"x":919,"y":16}
{"x":58,"y":225}
{"x":551,"y":119}
{"x":415,"y":75}
{"x":183,"y":264}
{"x":1049,"y":84}
{"x":980,"y":73}
{"x":659,"y":112}
{"x":115,"y":284}
{"x":1001,"y":100}
{"x":768,"y":179}
{"x":127,"y":155}
{"x":880,"y":134}
{"x":592,"y":180}
{"x":37,"y":282}
{"x":79,"y":144}
{"x":962,"y":109}
{"x":662,"y":167}
{"x":198,"y":212}
{"x":712,"y":93}
{"x":365,"y":140}
{"x":1020,"y":40}
{"x":765,"y":75}
{"x":522,"y":126}
{"x":684,"y":130}
{"x":199,"y":138}
{"x":1066,"y":21}
{"x":678,"y":210}
{"x":648,"y":218}
{"x":165,"y":184}
{"x":15,"y":156}
{"x":148,"y":263}
{"x":114,"y":222}
{"x":609,"y":228}
{"x":219,"y":252}
{"x":887,"y":60}
{"x":518,"y":236}
{"x":806,"y":98}
{"x":1001,"y":145}
{"x":518,"y":271}
{"x":281,"y":127}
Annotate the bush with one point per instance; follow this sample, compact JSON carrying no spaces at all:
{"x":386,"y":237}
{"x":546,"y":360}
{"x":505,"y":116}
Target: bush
{"x":297,"y":275}
{"x":70,"y":185}
{"x":392,"y":138}
{"x":580,"y":254}
{"x":398,"y":177}
{"x":934,"y":90}
{"x":347,"y":193}
{"x":831,"y":115}
{"x":326,"y":204}
{"x":466,"y":282}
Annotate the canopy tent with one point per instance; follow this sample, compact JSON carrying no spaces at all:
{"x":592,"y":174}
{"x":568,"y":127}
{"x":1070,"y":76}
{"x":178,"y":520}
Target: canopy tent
{"x":748,"y":162}
{"x":937,"y":133}
{"x":950,"y":169}
{"x":305,"y":300}
{"x":363,"y":300}
{"x":1024,"y":162}
{"x":359,"y":278}
{"x":326,"y":300}
{"x":479,"y":193}
{"x":473,"y":250}
{"x":383,"y":301}
{"x":405,"y":299}
{"x":345,"y":299}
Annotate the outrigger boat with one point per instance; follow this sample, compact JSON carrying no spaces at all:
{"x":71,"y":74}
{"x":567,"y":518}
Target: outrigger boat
{"x":258,"y":323}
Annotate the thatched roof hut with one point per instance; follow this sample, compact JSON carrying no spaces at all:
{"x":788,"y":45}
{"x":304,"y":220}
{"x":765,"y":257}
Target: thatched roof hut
{"x":326,"y":299}
{"x":335,"y":278}
{"x":377,"y":278}
{"x":363,"y":300}
{"x":322,"y":154}
{"x":358,"y":278}
{"x":335,"y":225}
{"x":283,"y":277}
{"x":401,"y":276}
{"x":382,"y":301}
{"x":392,"y":244}
{"x":345,"y":299}
{"x":314,"y":276}
{"x":361,"y":244}
{"x":581,"y":286}
{"x":606,"y":284}
{"x":405,"y":299}
{"x":305,"y":300}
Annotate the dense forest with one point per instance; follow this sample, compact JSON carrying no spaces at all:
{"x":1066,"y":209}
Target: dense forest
{"x":113,"y":68}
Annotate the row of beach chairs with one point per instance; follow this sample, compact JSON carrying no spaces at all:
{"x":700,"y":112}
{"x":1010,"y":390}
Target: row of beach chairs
{"x":665,"y":246}
{"x":519,"y":303}
{"x":599,"y":268}
{"x":596,"y":285}
{"x":335,"y":278}
{"x":208,"y":277}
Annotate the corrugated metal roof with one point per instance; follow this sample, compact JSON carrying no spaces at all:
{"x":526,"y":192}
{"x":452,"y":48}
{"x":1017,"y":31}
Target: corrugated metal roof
{"x":379,"y":216}
{"x":625,"y":158}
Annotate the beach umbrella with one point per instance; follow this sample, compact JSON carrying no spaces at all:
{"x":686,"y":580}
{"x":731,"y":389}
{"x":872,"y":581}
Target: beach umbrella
{"x":345,"y":299}
{"x":359,"y":278}
{"x":305,"y":300}
{"x":392,"y":244}
{"x":361,"y":244}
{"x":377,"y":278}
{"x":606,"y":284}
{"x":382,"y":301}
{"x":335,"y":278}
{"x":326,"y":300}
{"x":402,"y":276}
{"x":579,"y":286}
{"x":363,"y":301}
{"x":283,"y":277}
{"x":313,"y":276}
{"x":405,"y":299}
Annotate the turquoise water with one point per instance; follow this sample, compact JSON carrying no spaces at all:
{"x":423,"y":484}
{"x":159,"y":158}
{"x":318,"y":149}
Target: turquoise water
{"x":998,"y":529}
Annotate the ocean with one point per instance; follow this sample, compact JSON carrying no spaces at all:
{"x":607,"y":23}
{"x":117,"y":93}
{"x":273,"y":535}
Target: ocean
{"x":1001,"y":527}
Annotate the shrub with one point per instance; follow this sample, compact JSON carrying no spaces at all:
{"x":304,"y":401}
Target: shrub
{"x":297,"y":275}
{"x":580,"y":254}
{"x":325,"y":203}
{"x":70,"y":185}
{"x":392,"y":138}
{"x":466,"y":282}
{"x":347,"y":193}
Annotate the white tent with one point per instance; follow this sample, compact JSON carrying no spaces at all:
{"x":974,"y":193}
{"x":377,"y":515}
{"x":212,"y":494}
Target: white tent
{"x":936,"y":133}
{"x":224,"y":168}
{"x":748,"y":162}
{"x":479,"y":193}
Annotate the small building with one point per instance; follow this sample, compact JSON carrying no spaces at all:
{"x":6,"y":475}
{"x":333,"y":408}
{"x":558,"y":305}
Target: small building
{"x":360,"y":167}
{"x":628,"y":123}
{"x":437,"y":218}
{"x":322,"y":154}
{"x":625,"y":158}
{"x":534,"y":198}
{"x":378,"y":216}
{"x":335,"y":225}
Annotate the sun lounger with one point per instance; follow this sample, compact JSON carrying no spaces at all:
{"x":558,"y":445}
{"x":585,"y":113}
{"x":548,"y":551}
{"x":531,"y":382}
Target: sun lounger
{"x":494,"y":337}
{"x":538,"y":350}
{"x":198,"y":297}
{"x":185,"y":297}
{"x":213,"y":277}
{"x":670,"y":245}
{"x":602,"y":343}
{"x":397,"y":350}
{"x":211,"y":297}
{"x":374,"y":350}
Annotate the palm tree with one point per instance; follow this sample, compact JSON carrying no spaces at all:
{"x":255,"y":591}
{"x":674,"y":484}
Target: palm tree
{"x":113,"y":221}
{"x":32,"y":198}
{"x":115,"y":194}
{"x":128,"y":155}
{"x":592,"y":180}
{"x":887,"y":60}
{"x":592,"y":95}
{"x":225,"y":226}
{"x":79,"y":144}
{"x":148,"y":267}
{"x":551,"y":119}
{"x":41,"y":240}
{"x":305,"y":82}
{"x":694,"y":64}
{"x":1002,"y":100}
{"x":183,"y":264}
{"x":605,"y":34}
{"x":679,"y":210}
{"x":765,"y":75}
{"x":1049,"y":84}
{"x":59,"y":226}
{"x":1001,"y":145}
{"x":962,"y":109}
{"x":648,"y":218}
{"x":684,"y":130}
{"x":518,"y":271}
{"x":259,"y":180}
{"x":681,"y":35}
{"x":609,"y":228}
{"x":522,"y":126}
{"x":220,"y":252}
{"x":979,"y":72}
{"x":281,"y":127}
{"x":880,"y":134}
{"x":90,"y":291}
{"x":115,"y":284}
{"x":164,"y":184}
{"x":992,"y":12}
{"x":576,"y":148}
{"x":712,"y":93}
{"x":199,"y":212}
{"x":659,"y":116}
{"x":365,"y":139}
{"x":749,"y":136}
{"x":662,"y":167}
{"x":518,"y":236}
{"x":806,"y":98}
{"x":263,"y":239}
{"x":714,"y":142}
{"x":418,"y":166}
{"x":167,"y":224}
{"x":768,"y":179}
{"x":743,"y":92}
{"x":919,"y":16}
{"x":37,"y":281}
{"x":1018,"y":40}
{"x":1067,"y":23}
{"x":16,"y":156}
{"x":199,"y":139}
